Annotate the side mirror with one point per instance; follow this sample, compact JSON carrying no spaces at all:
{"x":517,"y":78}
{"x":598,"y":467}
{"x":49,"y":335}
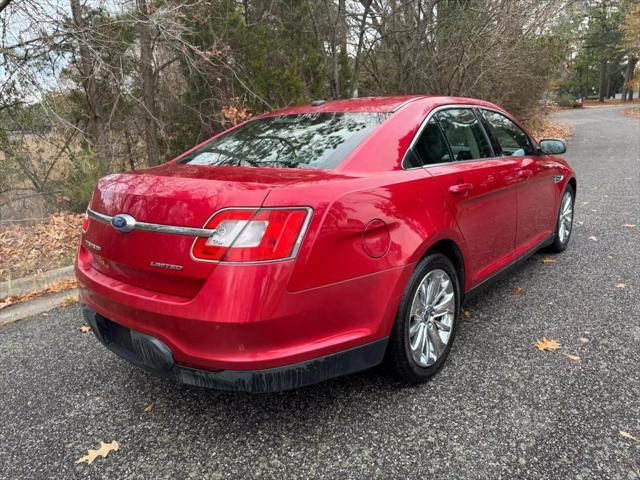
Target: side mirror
{"x":553,"y":146}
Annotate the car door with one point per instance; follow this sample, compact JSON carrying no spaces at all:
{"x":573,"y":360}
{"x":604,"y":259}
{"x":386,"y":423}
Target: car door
{"x":536,"y":192}
{"x":479,"y":187}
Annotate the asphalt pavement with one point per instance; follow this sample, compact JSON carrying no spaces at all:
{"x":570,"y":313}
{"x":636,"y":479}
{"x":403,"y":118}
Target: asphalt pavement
{"x":499,"y":409}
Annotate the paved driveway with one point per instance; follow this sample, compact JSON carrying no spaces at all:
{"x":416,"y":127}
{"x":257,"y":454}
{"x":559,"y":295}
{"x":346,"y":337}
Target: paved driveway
{"x":499,"y":408}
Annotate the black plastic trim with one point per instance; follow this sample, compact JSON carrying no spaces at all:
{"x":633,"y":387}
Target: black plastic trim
{"x":151,"y":354}
{"x":475,"y":291}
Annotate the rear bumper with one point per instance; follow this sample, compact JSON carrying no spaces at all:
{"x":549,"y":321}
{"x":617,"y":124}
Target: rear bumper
{"x":153,"y":355}
{"x":244,"y":319}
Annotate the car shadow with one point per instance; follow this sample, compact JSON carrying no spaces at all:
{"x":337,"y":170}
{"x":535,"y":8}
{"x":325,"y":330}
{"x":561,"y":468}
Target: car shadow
{"x":361,"y":391}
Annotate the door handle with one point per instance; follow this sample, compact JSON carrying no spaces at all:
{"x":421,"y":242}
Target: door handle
{"x":459,"y":188}
{"x":524,"y":173}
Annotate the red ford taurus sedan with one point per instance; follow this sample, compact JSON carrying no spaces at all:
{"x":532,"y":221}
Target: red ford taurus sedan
{"x":318,"y":240}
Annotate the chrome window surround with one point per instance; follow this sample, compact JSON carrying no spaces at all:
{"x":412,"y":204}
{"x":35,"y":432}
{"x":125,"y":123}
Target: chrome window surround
{"x":449,"y":107}
{"x":406,"y":102}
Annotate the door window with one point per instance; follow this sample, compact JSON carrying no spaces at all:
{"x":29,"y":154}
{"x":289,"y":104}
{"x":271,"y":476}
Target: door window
{"x":431,"y":147}
{"x":464,"y":134}
{"x":512,"y":139}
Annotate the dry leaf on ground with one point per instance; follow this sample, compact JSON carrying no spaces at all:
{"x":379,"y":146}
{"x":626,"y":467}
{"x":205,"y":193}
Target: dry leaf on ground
{"x":518,"y":291}
{"x":594,"y":238}
{"x":149,"y":407}
{"x":575,"y":358}
{"x":621,"y":285}
{"x":549,"y":260}
{"x":103,"y":451}
{"x":468,"y":313}
{"x":629,"y":436}
{"x":584,"y":340}
{"x":546,"y":344}
{"x":543,"y":127}
{"x":85,"y":328}
{"x":629,"y":225}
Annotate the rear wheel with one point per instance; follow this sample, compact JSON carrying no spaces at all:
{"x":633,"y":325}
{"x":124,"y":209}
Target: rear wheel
{"x":564,"y":225}
{"x":426,"y":321}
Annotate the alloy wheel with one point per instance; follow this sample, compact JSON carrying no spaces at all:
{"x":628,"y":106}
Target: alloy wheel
{"x":566,"y":218}
{"x":431,"y":317}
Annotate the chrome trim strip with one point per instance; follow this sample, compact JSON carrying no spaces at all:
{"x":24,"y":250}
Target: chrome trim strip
{"x":406,"y":102}
{"x":157,"y":227}
{"x":447,"y":107}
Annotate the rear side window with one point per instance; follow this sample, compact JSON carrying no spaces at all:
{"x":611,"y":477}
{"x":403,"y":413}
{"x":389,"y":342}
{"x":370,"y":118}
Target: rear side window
{"x":431,"y":147}
{"x":512,"y":139}
{"x":464,"y":134}
{"x":318,"y":140}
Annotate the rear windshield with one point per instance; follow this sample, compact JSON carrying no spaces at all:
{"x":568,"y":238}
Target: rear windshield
{"x":310,"y":140}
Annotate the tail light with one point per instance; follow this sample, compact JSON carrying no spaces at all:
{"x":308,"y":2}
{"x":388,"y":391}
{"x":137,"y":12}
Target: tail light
{"x":85,"y":223}
{"x":253,"y":235}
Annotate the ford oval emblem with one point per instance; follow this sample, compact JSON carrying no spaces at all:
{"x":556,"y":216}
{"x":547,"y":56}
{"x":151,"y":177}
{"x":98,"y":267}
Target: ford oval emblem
{"x":123,"y":223}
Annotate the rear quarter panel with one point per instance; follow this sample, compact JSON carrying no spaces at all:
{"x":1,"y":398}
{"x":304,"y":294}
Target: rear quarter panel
{"x":409,"y":203}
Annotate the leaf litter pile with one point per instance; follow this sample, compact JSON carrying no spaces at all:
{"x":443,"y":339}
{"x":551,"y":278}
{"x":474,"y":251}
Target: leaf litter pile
{"x":55,"y":287}
{"x":48,"y":244}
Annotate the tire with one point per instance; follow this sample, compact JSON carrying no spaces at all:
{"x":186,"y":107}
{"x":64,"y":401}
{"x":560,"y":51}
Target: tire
{"x":561,"y":237}
{"x":413,"y":365}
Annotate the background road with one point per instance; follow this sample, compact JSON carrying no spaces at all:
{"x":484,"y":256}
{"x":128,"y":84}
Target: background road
{"x":499,"y":408}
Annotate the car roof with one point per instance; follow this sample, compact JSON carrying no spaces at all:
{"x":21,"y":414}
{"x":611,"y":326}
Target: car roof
{"x":376,"y":104}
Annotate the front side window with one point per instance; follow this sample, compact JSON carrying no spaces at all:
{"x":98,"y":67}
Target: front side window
{"x":512,"y":139}
{"x":310,"y":140}
{"x":464,"y":134}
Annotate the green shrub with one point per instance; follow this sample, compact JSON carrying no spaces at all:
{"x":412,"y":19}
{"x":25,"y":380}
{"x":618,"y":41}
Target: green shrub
{"x":566,"y":100}
{"x":80,"y":181}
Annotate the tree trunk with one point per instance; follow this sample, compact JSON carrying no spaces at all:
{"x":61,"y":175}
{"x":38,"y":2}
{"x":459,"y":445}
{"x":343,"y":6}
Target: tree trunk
{"x":148,"y":80}
{"x":627,"y":90}
{"x":602,"y":92}
{"x":97,"y":134}
{"x":356,"y":63}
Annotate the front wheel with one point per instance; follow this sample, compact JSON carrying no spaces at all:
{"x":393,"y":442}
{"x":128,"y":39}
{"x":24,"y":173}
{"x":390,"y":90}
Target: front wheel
{"x":426,"y":321}
{"x":564,"y":225}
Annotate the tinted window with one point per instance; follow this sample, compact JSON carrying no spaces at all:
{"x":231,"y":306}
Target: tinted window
{"x":319,"y":140}
{"x":464,"y":134}
{"x":431,"y":147}
{"x":512,"y":140}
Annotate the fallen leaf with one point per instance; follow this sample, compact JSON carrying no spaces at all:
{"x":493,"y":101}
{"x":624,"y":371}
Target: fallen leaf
{"x":629,"y":436}
{"x":546,"y":344}
{"x":629,"y":225}
{"x":594,"y":238}
{"x":103,"y":451}
{"x":575,"y":358}
{"x":85,"y":328}
{"x":621,"y":285}
{"x":548,"y":260}
{"x":584,"y":340}
{"x":468,"y":313}
{"x":518,"y":291}
{"x":149,"y":407}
